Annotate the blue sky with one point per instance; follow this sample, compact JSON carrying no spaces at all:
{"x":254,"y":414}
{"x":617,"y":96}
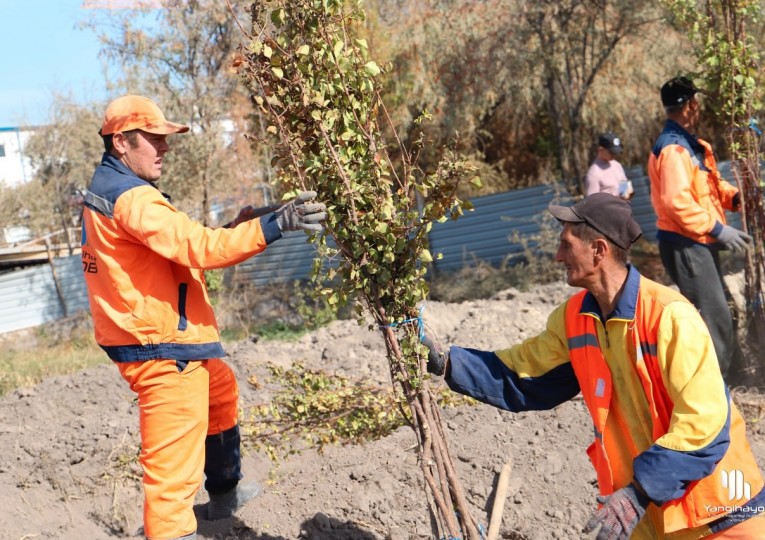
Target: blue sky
{"x":42,"y":52}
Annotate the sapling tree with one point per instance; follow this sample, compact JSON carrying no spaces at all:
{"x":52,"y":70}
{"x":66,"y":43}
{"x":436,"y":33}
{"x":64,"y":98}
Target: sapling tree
{"x":729,"y":57}
{"x":312,"y":76}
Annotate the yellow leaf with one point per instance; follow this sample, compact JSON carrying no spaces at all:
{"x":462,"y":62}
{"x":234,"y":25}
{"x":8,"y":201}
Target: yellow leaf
{"x":425,"y":256}
{"x":277,"y":72}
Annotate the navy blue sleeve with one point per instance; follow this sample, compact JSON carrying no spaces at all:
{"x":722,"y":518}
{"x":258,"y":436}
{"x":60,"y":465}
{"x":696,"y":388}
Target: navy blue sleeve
{"x":271,"y":230}
{"x":665,"y":474}
{"x":483,"y":376}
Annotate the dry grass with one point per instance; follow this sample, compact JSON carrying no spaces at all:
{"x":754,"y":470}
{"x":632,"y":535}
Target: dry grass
{"x":534,"y":265}
{"x":61,"y":347}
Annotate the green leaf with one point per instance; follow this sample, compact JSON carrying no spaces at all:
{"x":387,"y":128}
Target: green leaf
{"x":303,"y":50}
{"x":338,"y":48}
{"x":278,"y":16}
{"x":256,"y":46}
{"x":372,"y":68}
{"x":277,"y":72}
{"x":425,"y":256}
{"x":267,"y":51}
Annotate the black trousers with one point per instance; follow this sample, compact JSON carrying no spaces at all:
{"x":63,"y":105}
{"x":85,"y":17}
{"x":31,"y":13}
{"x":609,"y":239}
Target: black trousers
{"x":696,"y":271}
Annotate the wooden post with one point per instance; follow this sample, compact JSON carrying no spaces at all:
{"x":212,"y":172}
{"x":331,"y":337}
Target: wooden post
{"x":499,"y":502}
{"x":56,"y":282}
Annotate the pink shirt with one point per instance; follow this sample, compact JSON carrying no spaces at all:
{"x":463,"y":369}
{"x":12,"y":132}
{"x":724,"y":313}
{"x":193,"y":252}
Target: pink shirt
{"x":604,"y":176}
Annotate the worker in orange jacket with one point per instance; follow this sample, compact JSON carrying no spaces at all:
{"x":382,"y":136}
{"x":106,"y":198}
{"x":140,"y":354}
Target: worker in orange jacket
{"x":143,"y":262}
{"x":670,"y":449}
{"x":690,"y":198}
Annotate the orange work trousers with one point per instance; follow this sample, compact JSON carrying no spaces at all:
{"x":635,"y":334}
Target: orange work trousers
{"x":180,"y":405}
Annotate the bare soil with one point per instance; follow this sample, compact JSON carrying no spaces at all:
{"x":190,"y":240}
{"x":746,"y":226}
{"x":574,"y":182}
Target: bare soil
{"x":69,"y":448}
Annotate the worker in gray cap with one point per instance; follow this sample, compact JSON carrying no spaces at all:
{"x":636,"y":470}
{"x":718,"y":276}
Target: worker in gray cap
{"x":668,"y":439}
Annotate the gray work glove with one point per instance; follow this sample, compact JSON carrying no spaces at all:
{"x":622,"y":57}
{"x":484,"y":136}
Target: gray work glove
{"x":437,"y":359}
{"x":619,"y":515}
{"x":299,"y":215}
{"x":250,"y":212}
{"x":734,"y":239}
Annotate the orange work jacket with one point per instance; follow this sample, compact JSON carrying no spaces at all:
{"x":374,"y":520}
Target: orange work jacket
{"x":143,"y":262}
{"x":687,"y":191}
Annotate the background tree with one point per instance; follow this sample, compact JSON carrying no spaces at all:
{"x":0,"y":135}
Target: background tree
{"x":180,"y":56}
{"x":528,"y":94}
{"x":572,"y":41}
{"x":63,"y":154}
{"x":729,"y":57}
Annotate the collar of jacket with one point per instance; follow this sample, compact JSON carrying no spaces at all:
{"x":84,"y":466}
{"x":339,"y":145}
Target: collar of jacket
{"x":670,"y":126}
{"x":111,"y":162}
{"x":625,"y":306}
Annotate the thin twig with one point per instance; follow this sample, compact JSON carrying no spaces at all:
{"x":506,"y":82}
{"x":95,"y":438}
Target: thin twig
{"x":236,"y":20}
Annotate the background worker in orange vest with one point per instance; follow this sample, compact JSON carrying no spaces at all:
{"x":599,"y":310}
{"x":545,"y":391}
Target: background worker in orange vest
{"x":143,"y":262}
{"x":690,"y":198}
{"x":670,"y":450}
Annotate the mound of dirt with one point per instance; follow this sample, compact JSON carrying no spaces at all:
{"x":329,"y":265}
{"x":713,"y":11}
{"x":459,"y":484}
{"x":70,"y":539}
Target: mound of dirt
{"x":69,"y":445}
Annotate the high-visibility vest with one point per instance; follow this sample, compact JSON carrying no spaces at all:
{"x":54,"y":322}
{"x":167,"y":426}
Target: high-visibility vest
{"x":706,"y":499}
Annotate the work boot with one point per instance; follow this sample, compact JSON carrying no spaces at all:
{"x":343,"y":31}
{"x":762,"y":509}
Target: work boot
{"x":223,"y":505}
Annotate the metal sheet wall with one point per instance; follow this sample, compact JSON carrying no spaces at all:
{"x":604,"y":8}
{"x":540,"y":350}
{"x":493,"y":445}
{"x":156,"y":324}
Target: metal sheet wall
{"x":492,"y":233}
{"x":28,"y":297}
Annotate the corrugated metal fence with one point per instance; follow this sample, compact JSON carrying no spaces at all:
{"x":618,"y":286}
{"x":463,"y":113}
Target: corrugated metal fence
{"x":494,"y":232}
{"x":33,"y":296}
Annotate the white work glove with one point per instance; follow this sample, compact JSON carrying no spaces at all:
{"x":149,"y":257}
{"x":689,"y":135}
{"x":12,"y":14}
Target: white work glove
{"x":734,"y":239}
{"x":298,"y":215}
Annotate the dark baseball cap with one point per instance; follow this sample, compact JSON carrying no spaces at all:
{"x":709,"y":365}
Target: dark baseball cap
{"x":611,"y":216}
{"x":610,"y":142}
{"x":677,"y":91}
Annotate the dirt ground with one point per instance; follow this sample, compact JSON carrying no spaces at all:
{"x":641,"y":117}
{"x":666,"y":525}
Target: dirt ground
{"x":69,"y":445}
